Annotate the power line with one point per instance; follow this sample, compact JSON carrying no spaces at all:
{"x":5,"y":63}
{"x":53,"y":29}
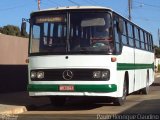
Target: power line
{"x":51,"y":1}
{"x":155,"y":6}
{"x":146,"y":19}
{"x":74,"y":2}
{"x":95,"y":2}
{"x":15,"y":7}
{"x":125,"y":12}
{"x":89,"y":2}
{"x":144,"y":4}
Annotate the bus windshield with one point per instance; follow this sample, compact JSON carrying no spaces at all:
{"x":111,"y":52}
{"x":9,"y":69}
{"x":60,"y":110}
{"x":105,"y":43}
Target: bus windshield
{"x":80,"y":33}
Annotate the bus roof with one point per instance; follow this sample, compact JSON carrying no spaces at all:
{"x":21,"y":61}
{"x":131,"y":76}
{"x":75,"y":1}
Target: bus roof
{"x":75,"y":8}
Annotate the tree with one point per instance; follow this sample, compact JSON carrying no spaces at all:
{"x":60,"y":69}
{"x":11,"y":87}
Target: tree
{"x":157,"y":51}
{"x":1,"y":29}
{"x":12,"y":30}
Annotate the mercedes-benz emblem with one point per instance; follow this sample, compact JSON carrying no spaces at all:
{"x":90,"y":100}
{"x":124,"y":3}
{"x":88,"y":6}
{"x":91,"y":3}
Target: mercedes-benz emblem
{"x":67,"y":75}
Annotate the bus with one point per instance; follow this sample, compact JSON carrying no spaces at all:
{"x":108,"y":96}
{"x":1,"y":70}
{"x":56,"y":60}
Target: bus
{"x":89,"y":51}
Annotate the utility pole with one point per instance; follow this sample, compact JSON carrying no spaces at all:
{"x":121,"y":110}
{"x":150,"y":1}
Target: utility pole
{"x":129,"y":9}
{"x":39,"y":2}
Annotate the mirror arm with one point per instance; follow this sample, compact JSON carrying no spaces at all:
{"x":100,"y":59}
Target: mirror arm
{"x":23,"y":26}
{"x":25,"y":20}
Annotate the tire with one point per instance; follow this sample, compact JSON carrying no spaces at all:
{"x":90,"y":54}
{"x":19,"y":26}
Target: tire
{"x":58,"y":100}
{"x":145,"y":91}
{"x":121,"y":100}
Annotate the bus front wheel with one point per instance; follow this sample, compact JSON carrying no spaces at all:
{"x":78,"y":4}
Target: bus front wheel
{"x":121,"y":100}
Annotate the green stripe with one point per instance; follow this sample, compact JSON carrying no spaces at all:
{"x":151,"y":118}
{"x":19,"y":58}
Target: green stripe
{"x":77,"y":88}
{"x":130,"y":66}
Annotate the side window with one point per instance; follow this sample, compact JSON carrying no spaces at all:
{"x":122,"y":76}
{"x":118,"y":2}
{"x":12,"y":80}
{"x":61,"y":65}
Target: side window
{"x":146,"y":41}
{"x":149,"y":42}
{"x":116,"y":35}
{"x":142,"y":39}
{"x":136,"y":36}
{"x":130,"y":30}
{"x":130,"y":34}
{"x":124,"y":34}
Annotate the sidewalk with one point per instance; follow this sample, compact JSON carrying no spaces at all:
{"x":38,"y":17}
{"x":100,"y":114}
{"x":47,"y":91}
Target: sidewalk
{"x":11,"y":109}
{"x":157,"y":74}
{"x":19,"y":102}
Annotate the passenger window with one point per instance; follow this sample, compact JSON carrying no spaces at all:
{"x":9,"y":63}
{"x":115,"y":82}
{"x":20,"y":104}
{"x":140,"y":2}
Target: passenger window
{"x":130,"y":30}
{"x":142,"y":39}
{"x":124,"y":34}
{"x":136,"y":33}
{"x":117,"y":38}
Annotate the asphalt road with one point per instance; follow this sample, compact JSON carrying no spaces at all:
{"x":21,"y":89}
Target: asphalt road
{"x":136,"y":107}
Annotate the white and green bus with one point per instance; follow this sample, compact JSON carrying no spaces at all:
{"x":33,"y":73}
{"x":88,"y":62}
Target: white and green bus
{"x":88,"y":51}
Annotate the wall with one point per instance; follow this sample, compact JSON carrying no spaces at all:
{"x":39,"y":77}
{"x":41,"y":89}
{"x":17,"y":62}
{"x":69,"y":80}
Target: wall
{"x":13,"y":69}
{"x":157,"y":63}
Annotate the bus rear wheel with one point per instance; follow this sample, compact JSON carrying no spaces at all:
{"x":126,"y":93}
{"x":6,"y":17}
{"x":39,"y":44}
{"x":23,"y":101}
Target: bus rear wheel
{"x":121,"y":100}
{"x":58,"y":100}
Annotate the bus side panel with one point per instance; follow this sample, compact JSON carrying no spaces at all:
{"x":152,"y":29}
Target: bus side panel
{"x":125,"y":65}
{"x":144,"y":62}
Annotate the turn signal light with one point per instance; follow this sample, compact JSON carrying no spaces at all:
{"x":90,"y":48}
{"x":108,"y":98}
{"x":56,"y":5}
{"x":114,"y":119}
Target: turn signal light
{"x":113,"y":59}
{"x":27,"y":60}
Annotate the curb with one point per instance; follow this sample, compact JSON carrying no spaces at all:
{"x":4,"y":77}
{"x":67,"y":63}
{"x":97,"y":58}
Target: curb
{"x":11,"y":109}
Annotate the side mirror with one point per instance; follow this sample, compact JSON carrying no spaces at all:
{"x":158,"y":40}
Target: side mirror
{"x":23,"y":28}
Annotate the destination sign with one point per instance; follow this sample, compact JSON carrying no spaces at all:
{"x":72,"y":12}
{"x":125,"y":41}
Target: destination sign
{"x":49,"y":19}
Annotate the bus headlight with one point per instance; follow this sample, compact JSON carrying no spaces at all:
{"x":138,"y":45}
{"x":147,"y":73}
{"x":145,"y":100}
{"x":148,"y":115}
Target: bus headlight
{"x":33,"y":74}
{"x":104,"y":74}
{"x":37,"y":74}
{"x":97,"y":74}
{"x":40,"y":75}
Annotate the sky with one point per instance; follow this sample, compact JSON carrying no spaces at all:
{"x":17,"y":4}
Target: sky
{"x":144,"y":13}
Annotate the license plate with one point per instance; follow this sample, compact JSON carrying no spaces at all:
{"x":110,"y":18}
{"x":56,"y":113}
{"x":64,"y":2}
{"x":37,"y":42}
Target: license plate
{"x":66,"y":88}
